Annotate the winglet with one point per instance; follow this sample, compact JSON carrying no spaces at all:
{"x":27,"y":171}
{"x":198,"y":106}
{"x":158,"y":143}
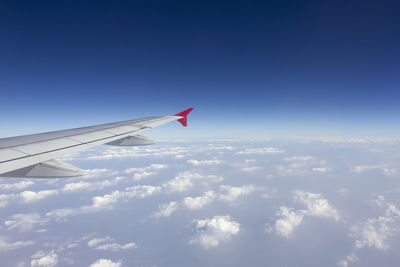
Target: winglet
{"x":184,"y":114}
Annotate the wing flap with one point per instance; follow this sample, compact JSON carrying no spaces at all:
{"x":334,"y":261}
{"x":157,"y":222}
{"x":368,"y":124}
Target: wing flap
{"x":52,"y":168}
{"x":137,"y":140}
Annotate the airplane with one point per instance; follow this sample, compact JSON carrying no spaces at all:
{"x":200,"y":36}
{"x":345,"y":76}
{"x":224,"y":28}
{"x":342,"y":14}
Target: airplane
{"x":34,"y":156}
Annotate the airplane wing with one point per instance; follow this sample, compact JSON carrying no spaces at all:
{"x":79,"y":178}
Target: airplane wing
{"x":34,"y":155}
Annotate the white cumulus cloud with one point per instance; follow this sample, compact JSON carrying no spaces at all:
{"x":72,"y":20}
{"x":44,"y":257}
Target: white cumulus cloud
{"x":106,"y":201}
{"x":194,"y":203}
{"x":4,"y":198}
{"x":289,"y":220}
{"x":316,"y":205}
{"x":42,"y":259}
{"x":211,"y":162}
{"x":374,"y":232}
{"x":299,"y":158}
{"x":384,"y":169}
{"x":106,"y":263}
{"x":107,"y":244}
{"x":185,"y":180}
{"x":83,"y":185}
{"x":265,"y":150}
{"x":31,"y":196}
{"x":24,"y":222}
{"x":210,"y":232}
{"x":166,"y":210}
{"x":16,"y":186}
{"x":5,"y":245}
{"x":231,"y":193}
{"x":140,"y":173}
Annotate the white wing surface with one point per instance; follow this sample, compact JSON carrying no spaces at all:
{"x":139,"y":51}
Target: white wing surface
{"x":34,"y":155}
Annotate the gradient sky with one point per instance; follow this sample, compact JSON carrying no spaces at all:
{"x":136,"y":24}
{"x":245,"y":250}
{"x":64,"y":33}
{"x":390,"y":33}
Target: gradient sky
{"x":250,"y":68}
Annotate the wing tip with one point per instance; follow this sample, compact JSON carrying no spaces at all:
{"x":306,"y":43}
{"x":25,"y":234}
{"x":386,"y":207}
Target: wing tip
{"x":184,"y":114}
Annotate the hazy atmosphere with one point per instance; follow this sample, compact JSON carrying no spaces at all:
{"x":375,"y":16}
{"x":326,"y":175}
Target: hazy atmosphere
{"x":256,"y":203}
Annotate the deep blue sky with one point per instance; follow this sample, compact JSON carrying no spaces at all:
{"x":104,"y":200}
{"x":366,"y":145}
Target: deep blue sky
{"x":250,"y":68}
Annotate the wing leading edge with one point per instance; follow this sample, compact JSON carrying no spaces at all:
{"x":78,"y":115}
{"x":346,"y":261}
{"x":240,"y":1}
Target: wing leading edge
{"x":33,"y":155}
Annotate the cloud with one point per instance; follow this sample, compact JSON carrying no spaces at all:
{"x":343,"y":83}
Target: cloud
{"x":16,"y":186}
{"x":249,"y":161}
{"x":385,"y":170}
{"x":96,"y":173}
{"x":105,"y":244}
{"x":210,"y":232}
{"x":302,"y":165}
{"x":206,"y":180}
{"x":198,"y":202}
{"x":41,"y":259}
{"x":299,"y":158}
{"x":166,"y":209}
{"x":151,"y":167}
{"x":185,"y":180}
{"x":321,"y":169}
{"x":31,"y":196}
{"x":289,"y":220}
{"x":106,"y":201}
{"x":182,"y":182}
{"x":379,"y":200}
{"x":141,"y":191}
{"x":231,"y":193}
{"x":24,"y":222}
{"x":374,"y":232}
{"x":211,"y":162}
{"x":156,"y":151}
{"x":226,"y":193}
{"x":5,"y":246}
{"x":343,"y":263}
{"x":76,"y":243}
{"x":390,"y":171}
{"x":106,"y":263}
{"x":252,"y":169}
{"x":140,"y":176}
{"x":316,"y":205}
{"x":343,"y":191}
{"x":256,"y":151}
{"x":75,"y":187}
{"x":355,"y":140}
{"x":140,"y":173}
{"x":218,"y":147}
{"x":139,"y":152}
{"x":4,"y":198}
{"x":193,"y":193}
{"x":83,"y":185}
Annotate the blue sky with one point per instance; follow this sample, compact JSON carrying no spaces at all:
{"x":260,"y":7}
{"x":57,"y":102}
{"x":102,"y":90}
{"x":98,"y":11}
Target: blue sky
{"x":275,"y":68}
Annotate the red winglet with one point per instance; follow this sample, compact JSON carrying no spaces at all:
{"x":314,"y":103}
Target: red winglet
{"x":184,"y":114}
